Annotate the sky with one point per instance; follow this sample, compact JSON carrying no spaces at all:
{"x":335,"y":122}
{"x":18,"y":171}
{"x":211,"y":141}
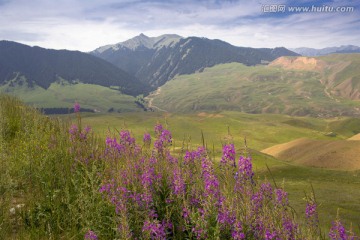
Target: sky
{"x":85,"y":25}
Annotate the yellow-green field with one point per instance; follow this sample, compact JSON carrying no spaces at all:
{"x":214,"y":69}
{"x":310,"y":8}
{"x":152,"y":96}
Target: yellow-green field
{"x":335,"y":189}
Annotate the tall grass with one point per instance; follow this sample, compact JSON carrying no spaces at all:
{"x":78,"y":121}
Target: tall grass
{"x":59,"y":181}
{"x":47,"y":189}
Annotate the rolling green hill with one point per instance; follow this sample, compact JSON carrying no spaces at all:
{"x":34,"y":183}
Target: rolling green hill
{"x":62,"y":94}
{"x":42,"y":174}
{"x":340,"y":154}
{"x":261,"y":131}
{"x":321,"y":87}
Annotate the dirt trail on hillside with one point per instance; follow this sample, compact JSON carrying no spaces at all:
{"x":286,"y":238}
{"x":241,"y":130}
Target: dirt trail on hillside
{"x":150,"y":100}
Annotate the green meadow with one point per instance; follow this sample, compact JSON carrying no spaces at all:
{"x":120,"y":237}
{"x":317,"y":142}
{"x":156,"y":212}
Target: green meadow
{"x":51,"y":173}
{"x":63,"y":95}
{"x":260,"y":130}
{"x":334,"y":190}
{"x":256,"y":89}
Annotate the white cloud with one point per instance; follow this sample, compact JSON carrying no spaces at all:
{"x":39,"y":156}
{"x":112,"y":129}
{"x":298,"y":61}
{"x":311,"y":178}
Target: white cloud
{"x":86,"y":25}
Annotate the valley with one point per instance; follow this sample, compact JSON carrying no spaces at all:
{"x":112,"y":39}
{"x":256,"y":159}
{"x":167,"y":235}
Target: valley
{"x":264,"y":131}
{"x":297,"y":117}
{"x":172,"y":120}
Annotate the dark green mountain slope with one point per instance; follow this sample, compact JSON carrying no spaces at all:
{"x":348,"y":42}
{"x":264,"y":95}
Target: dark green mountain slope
{"x":43,"y":67}
{"x":157,"y":60}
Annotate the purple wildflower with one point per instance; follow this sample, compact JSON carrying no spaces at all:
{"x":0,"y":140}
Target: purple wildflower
{"x":190,"y":156}
{"x":266,"y":190}
{"x":245,"y":168}
{"x":147,"y":139}
{"x":178,"y":183}
{"x":155,"y":229}
{"x":186,"y":213}
{"x":281,"y":197}
{"x":76,"y":107}
{"x":237,"y":233}
{"x":158,"y":129}
{"x":228,"y":155}
{"x":270,"y":235}
{"x":171,"y":159}
{"x":225,"y":217}
{"x":126,"y":139}
{"x":147,"y":177}
{"x":244,"y":173}
{"x":87,"y":129}
{"x":290,"y":228}
{"x":195,"y":201}
{"x":164,"y":140}
{"x":90,"y":235}
{"x":107,"y":187}
{"x":311,"y":214}
{"x":166,"y":136}
{"x":112,"y":146}
{"x":85,"y":132}
{"x":152,"y":214}
{"x":258,"y":228}
{"x":169,"y":200}
{"x":199,"y":232}
{"x":256,"y":202}
{"x":111,"y":142}
{"x":74,"y":131}
{"x":210,"y":180}
{"x":337,"y":231}
{"x":310,"y":209}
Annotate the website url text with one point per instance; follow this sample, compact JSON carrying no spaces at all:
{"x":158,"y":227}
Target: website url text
{"x":276,"y":8}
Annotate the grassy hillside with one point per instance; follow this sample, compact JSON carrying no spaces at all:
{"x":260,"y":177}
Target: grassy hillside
{"x":344,"y":69}
{"x":290,"y":85}
{"x":340,"y":154}
{"x":60,"y":181}
{"x":335,"y":189}
{"x":261,"y":130}
{"x":340,"y":73}
{"x":63,"y":95}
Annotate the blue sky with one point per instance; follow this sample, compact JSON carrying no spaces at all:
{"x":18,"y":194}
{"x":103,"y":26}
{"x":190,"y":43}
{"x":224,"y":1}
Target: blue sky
{"x":87,"y":24}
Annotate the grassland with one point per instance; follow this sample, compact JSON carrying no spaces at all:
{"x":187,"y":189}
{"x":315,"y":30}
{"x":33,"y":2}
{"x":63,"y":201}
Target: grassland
{"x":260,"y":130}
{"x":331,"y":154}
{"x":55,"y":174}
{"x":64,"y":95}
{"x":321,"y":88}
{"x":66,"y":204}
{"x":335,"y":189}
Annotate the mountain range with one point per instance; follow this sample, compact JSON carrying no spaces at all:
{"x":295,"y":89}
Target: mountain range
{"x":312,"y":52}
{"x":43,"y":67}
{"x":191,"y":74}
{"x":156,"y":60}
